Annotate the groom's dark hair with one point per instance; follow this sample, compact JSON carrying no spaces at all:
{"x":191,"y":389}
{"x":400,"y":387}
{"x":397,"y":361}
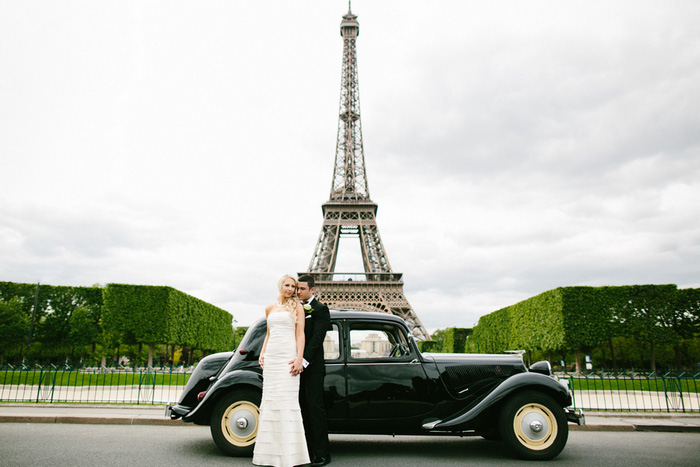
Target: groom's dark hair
{"x":308,"y":279}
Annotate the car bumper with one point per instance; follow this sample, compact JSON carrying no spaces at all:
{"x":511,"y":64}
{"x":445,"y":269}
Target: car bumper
{"x":175,"y":411}
{"x":575,"y":416}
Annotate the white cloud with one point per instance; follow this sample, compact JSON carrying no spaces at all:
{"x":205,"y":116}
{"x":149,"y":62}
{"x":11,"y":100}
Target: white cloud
{"x":512,"y":148}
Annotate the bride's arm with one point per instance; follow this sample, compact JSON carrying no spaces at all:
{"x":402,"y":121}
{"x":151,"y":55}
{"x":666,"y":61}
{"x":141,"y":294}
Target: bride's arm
{"x":297,"y":365}
{"x":261,"y":358}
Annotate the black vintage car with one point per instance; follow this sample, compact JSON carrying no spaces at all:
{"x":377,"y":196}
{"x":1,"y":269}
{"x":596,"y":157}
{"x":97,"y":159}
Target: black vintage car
{"x":378,"y":382}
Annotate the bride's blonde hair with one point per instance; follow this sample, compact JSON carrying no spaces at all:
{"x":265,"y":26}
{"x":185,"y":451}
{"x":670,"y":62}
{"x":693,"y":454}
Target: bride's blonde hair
{"x":292,"y":302}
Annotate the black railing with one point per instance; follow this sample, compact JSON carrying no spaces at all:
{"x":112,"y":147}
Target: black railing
{"x":631,"y":391}
{"x":92,"y":385}
{"x":634,"y":391}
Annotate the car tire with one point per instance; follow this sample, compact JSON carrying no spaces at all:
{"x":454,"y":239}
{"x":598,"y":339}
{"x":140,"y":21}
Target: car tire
{"x":533,"y":426}
{"x":234,"y":422}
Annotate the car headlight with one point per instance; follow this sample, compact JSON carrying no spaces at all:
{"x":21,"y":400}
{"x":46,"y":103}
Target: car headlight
{"x":542,"y":367}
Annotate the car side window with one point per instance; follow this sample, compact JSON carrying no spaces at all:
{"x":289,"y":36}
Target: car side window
{"x":331,"y":344}
{"x":377,"y":341}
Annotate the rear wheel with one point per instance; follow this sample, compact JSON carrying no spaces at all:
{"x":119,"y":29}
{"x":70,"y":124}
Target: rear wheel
{"x":234,"y":422}
{"x":533,"y":426}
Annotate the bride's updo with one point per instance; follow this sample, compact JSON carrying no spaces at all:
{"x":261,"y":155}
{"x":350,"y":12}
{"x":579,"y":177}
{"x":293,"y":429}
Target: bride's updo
{"x":292,"y":302}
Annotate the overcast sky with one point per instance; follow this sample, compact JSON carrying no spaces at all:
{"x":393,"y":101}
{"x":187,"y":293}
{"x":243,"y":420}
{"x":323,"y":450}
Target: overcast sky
{"x":512,"y":147}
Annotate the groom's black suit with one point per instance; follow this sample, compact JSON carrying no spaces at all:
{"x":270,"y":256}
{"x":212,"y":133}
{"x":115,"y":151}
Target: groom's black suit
{"x":317,"y":322}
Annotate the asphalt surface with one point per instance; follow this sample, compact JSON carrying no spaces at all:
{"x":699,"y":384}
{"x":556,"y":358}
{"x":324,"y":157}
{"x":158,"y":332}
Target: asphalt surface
{"x":72,"y":445}
{"x":155,"y":415}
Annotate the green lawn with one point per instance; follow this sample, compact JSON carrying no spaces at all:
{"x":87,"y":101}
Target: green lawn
{"x":114,"y":378}
{"x":593,"y":383}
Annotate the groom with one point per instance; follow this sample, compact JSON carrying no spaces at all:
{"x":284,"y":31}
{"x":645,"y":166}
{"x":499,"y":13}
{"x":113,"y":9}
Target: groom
{"x":318,"y":321}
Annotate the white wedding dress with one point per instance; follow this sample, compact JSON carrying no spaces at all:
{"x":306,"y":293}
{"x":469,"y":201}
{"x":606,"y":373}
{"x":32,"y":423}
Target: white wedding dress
{"x":280,"y":441}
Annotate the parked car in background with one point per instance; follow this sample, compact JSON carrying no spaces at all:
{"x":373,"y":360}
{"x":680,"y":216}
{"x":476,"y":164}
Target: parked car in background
{"x":378,"y":382}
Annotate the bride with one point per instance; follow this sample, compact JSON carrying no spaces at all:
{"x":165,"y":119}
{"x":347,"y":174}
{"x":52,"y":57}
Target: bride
{"x":280,"y":440}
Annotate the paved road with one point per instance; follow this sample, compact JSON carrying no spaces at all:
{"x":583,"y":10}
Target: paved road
{"x":41,"y":444}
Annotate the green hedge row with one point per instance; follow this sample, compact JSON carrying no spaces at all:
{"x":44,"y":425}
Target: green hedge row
{"x":455,"y":340}
{"x":450,"y":340}
{"x":68,"y":318}
{"x":584,"y":317}
{"x":163,"y":315}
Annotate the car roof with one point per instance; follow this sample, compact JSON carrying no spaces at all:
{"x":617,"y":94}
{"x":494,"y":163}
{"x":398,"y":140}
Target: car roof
{"x":351,"y":313}
{"x":360,"y":314}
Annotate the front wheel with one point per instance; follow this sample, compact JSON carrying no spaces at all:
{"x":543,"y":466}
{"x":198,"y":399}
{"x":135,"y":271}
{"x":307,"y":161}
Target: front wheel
{"x":234,"y":422}
{"x":533,"y":426}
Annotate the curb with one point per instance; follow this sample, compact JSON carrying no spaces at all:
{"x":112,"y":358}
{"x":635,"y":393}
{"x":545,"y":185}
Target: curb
{"x":92,"y":420}
{"x":90,"y":414}
{"x":602,"y":428}
{"x":668,"y":428}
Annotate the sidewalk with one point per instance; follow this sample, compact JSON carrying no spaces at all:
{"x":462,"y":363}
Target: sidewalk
{"x":155,"y":415}
{"x":99,"y":414}
{"x":640,"y":421}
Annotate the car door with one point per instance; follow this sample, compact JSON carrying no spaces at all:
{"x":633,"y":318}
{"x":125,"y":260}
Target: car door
{"x":387,"y":388}
{"x":335,"y":390}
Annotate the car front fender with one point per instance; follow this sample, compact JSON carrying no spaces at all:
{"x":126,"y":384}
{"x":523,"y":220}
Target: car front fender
{"x":216,"y":391}
{"x":502,"y":391}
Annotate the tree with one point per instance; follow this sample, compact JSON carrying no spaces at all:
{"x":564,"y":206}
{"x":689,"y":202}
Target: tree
{"x":648,"y":314}
{"x":238,"y":334}
{"x":455,"y":340}
{"x":685,"y":321}
{"x":85,"y":328}
{"x":439,"y":338}
{"x":14,"y":323}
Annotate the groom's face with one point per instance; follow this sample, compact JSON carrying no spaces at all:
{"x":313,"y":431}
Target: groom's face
{"x":303,"y":290}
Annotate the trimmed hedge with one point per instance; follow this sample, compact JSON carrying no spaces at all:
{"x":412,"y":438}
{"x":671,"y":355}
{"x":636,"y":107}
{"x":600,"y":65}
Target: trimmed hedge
{"x":163,"y":315}
{"x":69,"y":318}
{"x":585,"y":317}
{"x":14,"y":323}
{"x":455,"y":340}
{"x":492,"y":333}
{"x":428,"y":346}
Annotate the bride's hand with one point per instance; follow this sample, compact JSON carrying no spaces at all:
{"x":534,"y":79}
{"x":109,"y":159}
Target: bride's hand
{"x":261,"y":361}
{"x":296,"y":367}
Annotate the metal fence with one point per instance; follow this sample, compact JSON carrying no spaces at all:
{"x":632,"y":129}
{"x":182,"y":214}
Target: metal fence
{"x":93,"y":385}
{"x":635,"y":391}
{"x":623,"y":392}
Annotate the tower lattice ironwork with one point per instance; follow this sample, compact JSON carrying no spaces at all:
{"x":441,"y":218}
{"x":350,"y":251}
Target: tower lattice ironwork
{"x":351,"y":213}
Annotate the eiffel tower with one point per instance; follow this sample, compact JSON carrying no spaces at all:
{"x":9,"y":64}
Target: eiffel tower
{"x":351,"y":213}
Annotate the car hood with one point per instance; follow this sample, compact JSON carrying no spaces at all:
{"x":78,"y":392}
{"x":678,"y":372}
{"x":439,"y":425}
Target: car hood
{"x":463,"y":374}
{"x":475,"y":359}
